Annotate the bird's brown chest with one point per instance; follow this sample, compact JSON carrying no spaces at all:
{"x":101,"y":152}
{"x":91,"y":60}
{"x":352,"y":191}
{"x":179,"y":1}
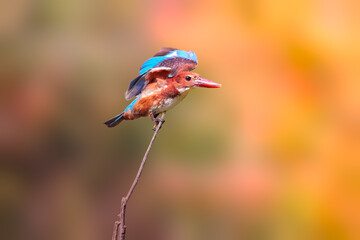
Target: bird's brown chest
{"x":169,"y":92}
{"x":158,"y":99}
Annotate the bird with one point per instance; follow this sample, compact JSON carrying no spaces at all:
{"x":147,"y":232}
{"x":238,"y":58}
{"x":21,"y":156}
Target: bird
{"x":163,"y":81}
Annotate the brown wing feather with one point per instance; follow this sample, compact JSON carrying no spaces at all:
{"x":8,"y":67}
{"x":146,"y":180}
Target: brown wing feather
{"x":160,"y":72}
{"x":163,"y":51}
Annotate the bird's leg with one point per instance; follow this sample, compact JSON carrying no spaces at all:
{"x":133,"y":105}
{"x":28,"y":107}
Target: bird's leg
{"x":156,"y":120}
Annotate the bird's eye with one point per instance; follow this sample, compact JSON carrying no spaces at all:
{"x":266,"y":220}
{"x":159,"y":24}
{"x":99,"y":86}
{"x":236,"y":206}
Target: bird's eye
{"x":188,"y":78}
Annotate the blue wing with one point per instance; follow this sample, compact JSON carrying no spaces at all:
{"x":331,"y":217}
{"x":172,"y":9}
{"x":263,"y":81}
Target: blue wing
{"x":131,"y":105}
{"x":139,"y":83}
{"x":136,"y":86}
{"x":186,"y":58}
{"x":177,"y":60}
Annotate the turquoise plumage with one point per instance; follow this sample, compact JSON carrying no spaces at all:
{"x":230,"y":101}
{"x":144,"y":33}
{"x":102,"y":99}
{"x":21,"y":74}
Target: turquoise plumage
{"x":177,"y":60}
{"x":155,"y":61}
{"x":164,"y":81}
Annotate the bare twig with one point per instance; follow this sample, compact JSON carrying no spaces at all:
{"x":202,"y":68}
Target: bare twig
{"x":120,"y":227}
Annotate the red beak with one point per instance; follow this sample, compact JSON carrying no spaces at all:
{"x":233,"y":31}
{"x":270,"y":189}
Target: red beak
{"x":202,"y":82}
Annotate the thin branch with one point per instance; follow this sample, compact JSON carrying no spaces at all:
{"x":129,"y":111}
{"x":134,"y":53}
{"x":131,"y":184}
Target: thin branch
{"x":120,"y":227}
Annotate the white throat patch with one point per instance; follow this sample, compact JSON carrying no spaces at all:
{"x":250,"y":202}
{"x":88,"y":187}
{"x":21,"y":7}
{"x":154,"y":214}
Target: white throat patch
{"x":183,"y":89}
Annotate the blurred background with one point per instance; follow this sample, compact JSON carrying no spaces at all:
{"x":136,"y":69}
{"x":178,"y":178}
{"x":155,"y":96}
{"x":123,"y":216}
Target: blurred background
{"x":273,"y":154}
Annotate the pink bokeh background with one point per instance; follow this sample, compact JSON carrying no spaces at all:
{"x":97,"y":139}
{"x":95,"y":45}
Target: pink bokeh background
{"x":273,"y":154}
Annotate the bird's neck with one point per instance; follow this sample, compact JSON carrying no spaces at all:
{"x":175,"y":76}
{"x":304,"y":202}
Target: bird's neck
{"x":170,"y":91}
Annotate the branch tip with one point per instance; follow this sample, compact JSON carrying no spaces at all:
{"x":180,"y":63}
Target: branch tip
{"x":120,"y":227}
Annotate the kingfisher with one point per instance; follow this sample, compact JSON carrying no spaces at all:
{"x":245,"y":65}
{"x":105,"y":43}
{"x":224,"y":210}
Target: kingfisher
{"x":163,"y":81}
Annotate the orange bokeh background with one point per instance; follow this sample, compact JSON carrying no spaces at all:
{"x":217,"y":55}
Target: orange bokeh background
{"x":273,"y":154}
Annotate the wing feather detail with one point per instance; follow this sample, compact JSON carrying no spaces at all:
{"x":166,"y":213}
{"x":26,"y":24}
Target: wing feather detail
{"x":178,"y":56}
{"x":165,"y":63}
{"x":138,"y":84}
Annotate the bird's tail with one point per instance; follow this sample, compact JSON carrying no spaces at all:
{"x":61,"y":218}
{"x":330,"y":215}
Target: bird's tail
{"x":115,"y":120}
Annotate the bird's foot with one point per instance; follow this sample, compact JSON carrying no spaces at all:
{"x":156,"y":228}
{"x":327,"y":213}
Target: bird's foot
{"x":158,"y":121}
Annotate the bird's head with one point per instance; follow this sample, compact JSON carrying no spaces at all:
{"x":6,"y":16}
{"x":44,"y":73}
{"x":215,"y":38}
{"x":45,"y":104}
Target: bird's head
{"x":187,"y":80}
